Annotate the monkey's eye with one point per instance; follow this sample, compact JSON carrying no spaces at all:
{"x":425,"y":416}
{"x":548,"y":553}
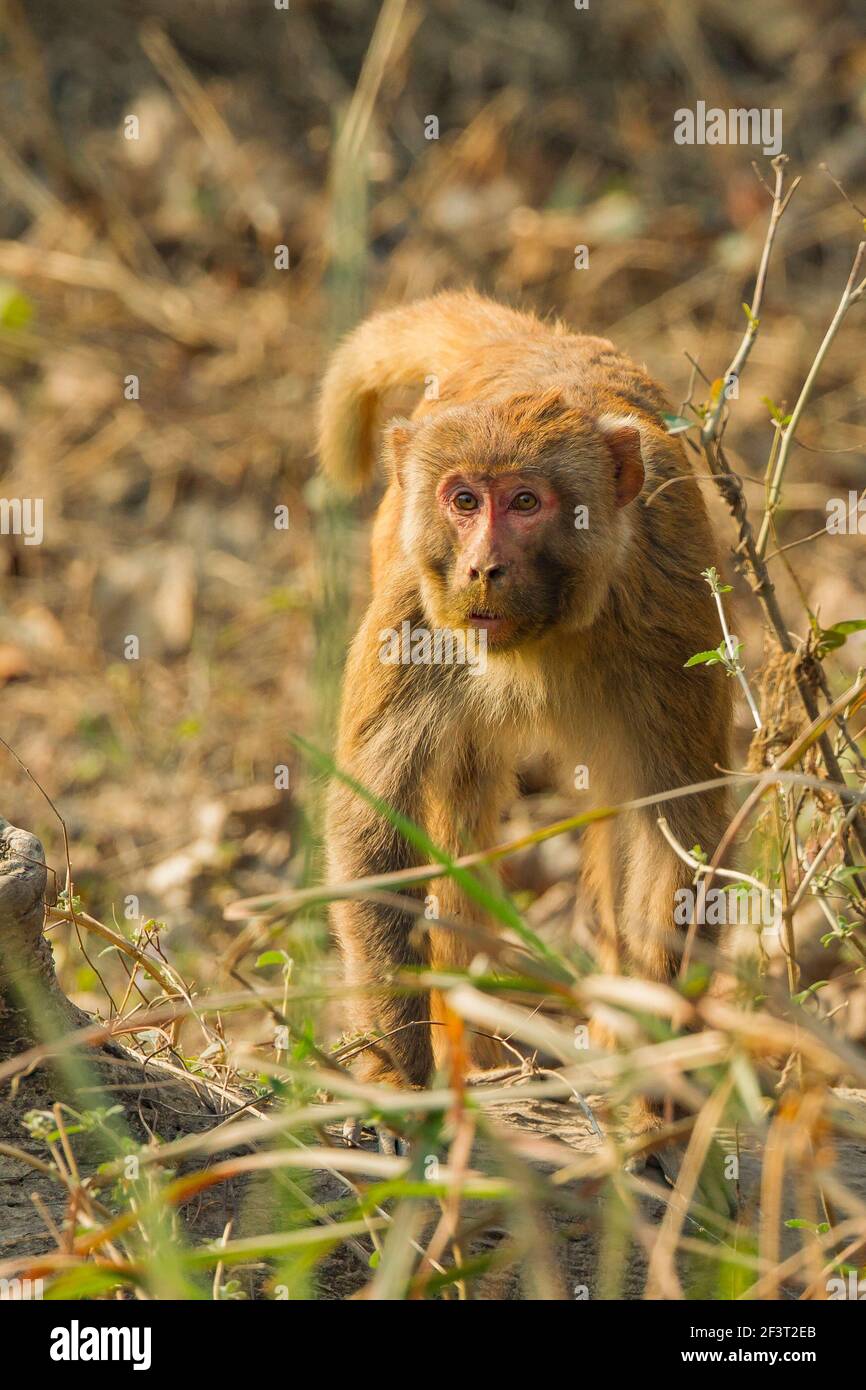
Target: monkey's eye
{"x":524,"y":502}
{"x":464,"y":501}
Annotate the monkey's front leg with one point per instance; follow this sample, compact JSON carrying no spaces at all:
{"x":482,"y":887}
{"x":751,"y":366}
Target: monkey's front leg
{"x":378,"y":943}
{"x":446,"y":775}
{"x":387,"y":753}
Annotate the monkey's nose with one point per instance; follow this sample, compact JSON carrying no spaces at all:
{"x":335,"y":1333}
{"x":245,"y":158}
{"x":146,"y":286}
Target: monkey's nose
{"x":489,"y":572}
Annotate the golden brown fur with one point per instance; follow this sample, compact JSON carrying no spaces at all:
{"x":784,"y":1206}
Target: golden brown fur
{"x":600,"y":625}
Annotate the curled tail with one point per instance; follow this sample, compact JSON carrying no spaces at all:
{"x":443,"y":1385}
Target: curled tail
{"x":398,"y":348}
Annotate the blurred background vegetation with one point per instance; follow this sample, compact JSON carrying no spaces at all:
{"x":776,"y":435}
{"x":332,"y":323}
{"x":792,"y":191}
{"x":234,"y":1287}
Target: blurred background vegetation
{"x":278,"y":185}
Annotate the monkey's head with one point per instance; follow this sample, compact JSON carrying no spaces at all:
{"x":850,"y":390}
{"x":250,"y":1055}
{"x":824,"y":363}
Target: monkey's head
{"x":516,"y":512}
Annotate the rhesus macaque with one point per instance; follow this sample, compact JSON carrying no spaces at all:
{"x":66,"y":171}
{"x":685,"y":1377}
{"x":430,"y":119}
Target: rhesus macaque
{"x":515,"y":509}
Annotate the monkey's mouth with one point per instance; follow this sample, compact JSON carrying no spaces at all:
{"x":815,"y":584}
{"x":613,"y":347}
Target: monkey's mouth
{"x":491,"y":622}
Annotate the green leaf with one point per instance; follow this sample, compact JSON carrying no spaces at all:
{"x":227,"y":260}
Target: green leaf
{"x":84,"y":1282}
{"x":714,"y":580}
{"x":846,"y":872}
{"x":271,"y":958}
{"x":703,"y":659}
{"x":831,"y":638}
{"x":188,"y":728}
{"x":805,"y":994}
{"x":775,"y":411}
{"x":16,"y":309}
{"x":697,"y":981}
{"x":676,"y":424}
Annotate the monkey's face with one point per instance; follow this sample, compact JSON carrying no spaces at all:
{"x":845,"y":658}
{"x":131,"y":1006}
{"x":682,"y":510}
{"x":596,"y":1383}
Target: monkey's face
{"x":495,"y":533}
{"x":513,"y":513}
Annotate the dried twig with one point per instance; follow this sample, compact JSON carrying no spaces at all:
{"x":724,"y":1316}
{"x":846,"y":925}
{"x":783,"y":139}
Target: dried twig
{"x":852,"y":294}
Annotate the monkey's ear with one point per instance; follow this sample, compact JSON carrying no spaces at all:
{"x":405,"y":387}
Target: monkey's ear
{"x":395,"y":446}
{"x":623,"y":439}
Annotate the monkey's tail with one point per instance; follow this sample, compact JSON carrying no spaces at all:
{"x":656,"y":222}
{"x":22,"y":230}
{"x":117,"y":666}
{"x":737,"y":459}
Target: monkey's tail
{"x":399,"y":347}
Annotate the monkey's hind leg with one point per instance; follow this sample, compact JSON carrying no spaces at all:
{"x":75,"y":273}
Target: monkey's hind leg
{"x":477,"y":788}
{"x":396,"y":1019}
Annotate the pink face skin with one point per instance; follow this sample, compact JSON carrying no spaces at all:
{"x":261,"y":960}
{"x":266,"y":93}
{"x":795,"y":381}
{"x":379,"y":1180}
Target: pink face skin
{"x":494,"y":517}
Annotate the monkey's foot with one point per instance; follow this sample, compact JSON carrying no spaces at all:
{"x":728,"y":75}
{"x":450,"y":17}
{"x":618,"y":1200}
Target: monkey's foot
{"x":388,"y":1142}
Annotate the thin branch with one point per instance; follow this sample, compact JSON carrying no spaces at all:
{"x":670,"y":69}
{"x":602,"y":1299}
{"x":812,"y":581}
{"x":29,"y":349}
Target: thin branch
{"x":712,"y":421}
{"x":731,"y":489}
{"x":851,"y":294}
{"x":700,"y":868}
{"x":731,"y":648}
